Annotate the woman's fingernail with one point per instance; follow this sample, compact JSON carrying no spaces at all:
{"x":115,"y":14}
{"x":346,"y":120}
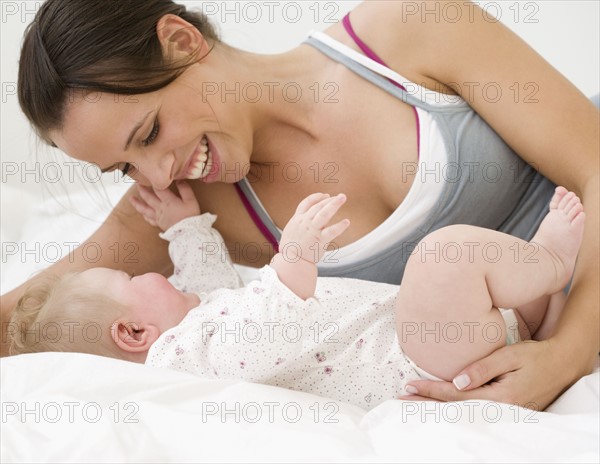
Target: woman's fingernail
{"x":410,"y":389}
{"x":462,"y":381}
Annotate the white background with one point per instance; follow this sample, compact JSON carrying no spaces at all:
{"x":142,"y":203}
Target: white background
{"x":564,"y":32}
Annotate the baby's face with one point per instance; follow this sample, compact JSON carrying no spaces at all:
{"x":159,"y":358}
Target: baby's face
{"x":150,"y":297}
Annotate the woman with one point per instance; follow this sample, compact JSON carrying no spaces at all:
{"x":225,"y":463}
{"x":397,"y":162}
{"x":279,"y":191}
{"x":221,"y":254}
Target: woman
{"x":146,"y":87}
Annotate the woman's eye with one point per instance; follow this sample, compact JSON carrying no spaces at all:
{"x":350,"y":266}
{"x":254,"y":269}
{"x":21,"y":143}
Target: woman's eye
{"x":152,"y":135}
{"x":125,"y":169}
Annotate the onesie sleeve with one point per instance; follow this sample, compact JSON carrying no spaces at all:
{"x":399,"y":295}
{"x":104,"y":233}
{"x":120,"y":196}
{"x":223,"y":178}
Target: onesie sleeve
{"x":199,"y":256}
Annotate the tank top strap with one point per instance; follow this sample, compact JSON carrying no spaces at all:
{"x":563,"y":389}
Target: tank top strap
{"x":258,"y":213}
{"x":374,"y":71}
{"x":363,"y":46}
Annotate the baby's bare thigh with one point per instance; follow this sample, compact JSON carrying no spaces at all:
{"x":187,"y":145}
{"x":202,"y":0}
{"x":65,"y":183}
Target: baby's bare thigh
{"x":445,"y":319}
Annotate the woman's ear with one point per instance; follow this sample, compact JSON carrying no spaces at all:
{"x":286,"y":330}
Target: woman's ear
{"x":179,"y":38}
{"x":132,"y":337}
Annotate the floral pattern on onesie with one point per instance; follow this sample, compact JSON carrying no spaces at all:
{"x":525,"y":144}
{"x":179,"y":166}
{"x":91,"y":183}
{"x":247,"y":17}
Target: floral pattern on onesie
{"x":341,"y":344}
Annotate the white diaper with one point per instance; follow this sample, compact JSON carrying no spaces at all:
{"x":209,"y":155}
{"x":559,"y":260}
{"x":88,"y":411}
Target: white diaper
{"x":512,"y":326}
{"x":512,"y":336}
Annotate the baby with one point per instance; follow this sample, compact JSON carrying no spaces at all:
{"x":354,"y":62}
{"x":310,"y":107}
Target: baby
{"x":355,"y":341}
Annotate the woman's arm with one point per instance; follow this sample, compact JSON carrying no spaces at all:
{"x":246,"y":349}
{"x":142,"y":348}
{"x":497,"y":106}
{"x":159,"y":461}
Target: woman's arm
{"x":141,"y":250}
{"x":551,"y":125}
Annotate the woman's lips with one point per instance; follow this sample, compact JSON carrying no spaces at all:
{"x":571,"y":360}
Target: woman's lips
{"x":203,"y":164}
{"x":184,"y":170}
{"x":196,"y":166}
{"x":212,"y":168}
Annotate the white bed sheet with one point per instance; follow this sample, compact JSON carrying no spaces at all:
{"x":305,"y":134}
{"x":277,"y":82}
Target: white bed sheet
{"x":50,"y":401}
{"x":126,"y":412}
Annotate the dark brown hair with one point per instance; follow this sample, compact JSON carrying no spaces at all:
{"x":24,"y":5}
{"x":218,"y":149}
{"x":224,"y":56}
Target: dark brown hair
{"x":96,"y":45}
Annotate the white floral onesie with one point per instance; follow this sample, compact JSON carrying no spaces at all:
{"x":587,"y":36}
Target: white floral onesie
{"x":341,"y":344}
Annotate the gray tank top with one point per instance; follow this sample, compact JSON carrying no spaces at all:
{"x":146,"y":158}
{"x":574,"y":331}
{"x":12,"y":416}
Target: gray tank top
{"x":486,"y":183}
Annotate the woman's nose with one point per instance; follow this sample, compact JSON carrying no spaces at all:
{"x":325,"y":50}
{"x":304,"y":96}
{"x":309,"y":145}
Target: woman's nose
{"x":158,"y":173}
{"x":159,"y":180}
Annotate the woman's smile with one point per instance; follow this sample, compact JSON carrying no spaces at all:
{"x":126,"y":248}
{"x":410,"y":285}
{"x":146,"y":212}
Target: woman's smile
{"x":197,"y":163}
{"x":212,"y":169}
{"x":202,"y":164}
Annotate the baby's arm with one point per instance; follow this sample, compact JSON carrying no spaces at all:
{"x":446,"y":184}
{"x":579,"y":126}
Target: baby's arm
{"x":304,"y":240}
{"x":199,"y":256}
{"x":197,"y":250}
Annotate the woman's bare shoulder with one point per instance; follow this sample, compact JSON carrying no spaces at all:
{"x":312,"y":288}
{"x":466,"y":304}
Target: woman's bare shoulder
{"x":458,"y":43}
{"x":391,"y":30}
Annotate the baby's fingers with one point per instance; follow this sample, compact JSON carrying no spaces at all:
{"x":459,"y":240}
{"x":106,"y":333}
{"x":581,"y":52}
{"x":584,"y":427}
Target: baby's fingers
{"x":324,"y":211}
{"x":331,"y":232}
{"x":149,"y":196}
{"x":185,"y":191}
{"x":310,"y":201}
{"x":166,"y":195}
{"x":146,"y":211}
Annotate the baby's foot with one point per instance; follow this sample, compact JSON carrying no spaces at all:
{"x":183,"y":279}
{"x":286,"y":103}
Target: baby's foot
{"x":561,"y":232}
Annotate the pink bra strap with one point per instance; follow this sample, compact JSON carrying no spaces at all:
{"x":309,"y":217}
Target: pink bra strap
{"x":256,"y":219}
{"x":364,"y":47}
{"x":371,"y":54}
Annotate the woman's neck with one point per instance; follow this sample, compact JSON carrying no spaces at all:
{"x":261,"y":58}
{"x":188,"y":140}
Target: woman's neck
{"x":285,"y":114}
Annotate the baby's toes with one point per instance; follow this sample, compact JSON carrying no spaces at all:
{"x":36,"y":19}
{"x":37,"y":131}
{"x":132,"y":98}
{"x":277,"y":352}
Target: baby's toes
{"x":574,"y":211}
{"x":579,"y":219}
{"x":559,"y":193}
{"x":572,"y":203}
{"x":564,"y":201}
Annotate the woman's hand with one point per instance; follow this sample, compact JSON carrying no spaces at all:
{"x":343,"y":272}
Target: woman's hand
{"x":307,"y":233}
{"x":162,"y":208}
{"x":516,"y":371}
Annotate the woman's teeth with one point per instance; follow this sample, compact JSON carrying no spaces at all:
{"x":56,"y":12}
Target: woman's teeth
{"x":202,"y":163}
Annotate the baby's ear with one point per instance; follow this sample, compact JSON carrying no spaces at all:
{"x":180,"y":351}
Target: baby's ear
{"x":132,"y":337}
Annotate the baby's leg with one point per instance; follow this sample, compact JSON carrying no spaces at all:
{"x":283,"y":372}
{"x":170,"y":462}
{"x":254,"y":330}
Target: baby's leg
{"x":458,"y":276}
{"x":541,"y":316}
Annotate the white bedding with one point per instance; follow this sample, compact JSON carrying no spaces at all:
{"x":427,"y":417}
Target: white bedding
{"x":125,"y":412}
{"x":50,"y":401}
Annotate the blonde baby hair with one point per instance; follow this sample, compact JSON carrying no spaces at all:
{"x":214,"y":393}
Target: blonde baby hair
{"x":57,"y":314}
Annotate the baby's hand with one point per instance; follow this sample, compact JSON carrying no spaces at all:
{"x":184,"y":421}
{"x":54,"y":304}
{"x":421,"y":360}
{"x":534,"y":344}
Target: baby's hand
{"x":307,"y":233}
{"x":162,"y":208}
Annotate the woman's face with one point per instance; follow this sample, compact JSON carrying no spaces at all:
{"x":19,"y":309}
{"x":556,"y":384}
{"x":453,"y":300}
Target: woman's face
{"x":173,"y":133}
